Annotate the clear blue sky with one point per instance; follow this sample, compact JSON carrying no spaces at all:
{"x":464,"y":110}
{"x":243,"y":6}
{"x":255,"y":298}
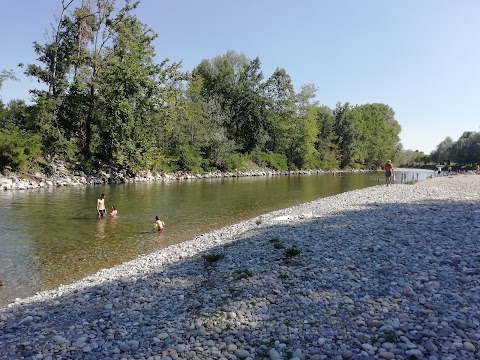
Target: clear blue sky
{"x":421,"y":57}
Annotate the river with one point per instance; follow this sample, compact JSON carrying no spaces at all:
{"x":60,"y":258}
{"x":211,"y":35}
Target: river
{"x":52,"y":236}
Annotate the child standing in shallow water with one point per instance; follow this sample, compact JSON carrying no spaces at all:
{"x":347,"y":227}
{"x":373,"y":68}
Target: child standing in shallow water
{"x":159,"y":224}
{"x":101,"y":206}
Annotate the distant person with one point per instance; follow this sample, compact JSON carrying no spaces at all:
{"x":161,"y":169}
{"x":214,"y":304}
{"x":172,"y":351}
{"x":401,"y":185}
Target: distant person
{"x":449,"y":169}
{"x":101,"y":206}
{"x":388,"y":167}
{"x":158,"y":224}
{"x":114,"y":212}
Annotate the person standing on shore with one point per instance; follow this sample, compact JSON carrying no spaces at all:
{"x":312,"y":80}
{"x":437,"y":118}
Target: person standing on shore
{"x":388,"y":167}
{"x":101,"y":206}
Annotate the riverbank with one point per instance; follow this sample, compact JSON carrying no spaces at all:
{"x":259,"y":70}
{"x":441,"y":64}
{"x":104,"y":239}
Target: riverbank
{"x":26,"y":181}
{"x":383,"y":272}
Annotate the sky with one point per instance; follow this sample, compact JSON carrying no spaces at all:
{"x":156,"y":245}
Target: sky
{"x":420,"y":57}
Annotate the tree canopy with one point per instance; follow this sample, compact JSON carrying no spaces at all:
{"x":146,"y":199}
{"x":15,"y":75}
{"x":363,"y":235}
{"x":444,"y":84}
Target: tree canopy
{"x":109,"y":101}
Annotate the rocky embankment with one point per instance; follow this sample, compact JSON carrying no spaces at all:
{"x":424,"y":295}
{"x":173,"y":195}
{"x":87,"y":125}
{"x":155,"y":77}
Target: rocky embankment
{"x":61,"y":176}
{"x":378,"y":273}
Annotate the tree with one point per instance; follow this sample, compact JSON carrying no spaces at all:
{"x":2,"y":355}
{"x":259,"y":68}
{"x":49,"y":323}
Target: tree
{"x":248,"y":108}
{"x":377,"y":134}
{"x":236,"y":83}
{"x":281,"y":110}
{"x":443,"y":151}
{"x":345,"y":136}
{"x":132,"y":90}
{"x":56,"y":55}
{"x":7,"y":75}
{"x":325,"y":144}
{"x":302,"y":152}
{"x":466,"y":150}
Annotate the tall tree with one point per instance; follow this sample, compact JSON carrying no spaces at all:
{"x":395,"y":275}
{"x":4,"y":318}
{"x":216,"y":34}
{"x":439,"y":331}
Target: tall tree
{"x":236,"y":83}
{"x":325,"y":145}
{"x":302,"y":150}
{"x":377,"y":134}
{"x":132,"y":89}
{"x":443,"y":151}
{"x":346,"y":138}
{"x":248,"y":108}
{"x":466,"y":150}
{"x":281,"y":110}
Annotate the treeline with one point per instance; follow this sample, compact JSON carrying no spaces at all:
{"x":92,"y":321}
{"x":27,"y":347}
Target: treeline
{"x":466,"y":150}
{"x":106,"y":101}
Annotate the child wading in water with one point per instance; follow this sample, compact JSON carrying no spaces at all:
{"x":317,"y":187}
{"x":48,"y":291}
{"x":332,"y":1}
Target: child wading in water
{"x":101,"y":206}
{"x":158,"y":224}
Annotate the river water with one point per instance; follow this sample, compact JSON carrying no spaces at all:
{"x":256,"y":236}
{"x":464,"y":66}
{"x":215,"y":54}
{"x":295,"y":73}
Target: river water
{"x":52,"y":236}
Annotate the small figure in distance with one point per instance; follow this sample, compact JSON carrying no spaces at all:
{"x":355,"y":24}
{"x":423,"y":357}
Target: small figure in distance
{"x":388,"y":167}
{"x":158,"y":224}
{"x":101,"y":206}
{"x":114,"y":212}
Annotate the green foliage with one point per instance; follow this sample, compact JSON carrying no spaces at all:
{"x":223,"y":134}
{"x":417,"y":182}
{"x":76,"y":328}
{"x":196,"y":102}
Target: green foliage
{"x":443,"y":152}
{"x":243,"y":274}
{"x":18,"y":148}
{"x":291,"y":252}
{"x":466,"y":150}
{"x":365,"y":135}
{"x":108,"y":101}
{"x":230,"y":162}
{"x":163,"y":163}
{"x":190,"y":160}
{"x":410,"y":158}
{"x":270,"y":160}
{"x":277,"y":244}
{"x":7,"y":75}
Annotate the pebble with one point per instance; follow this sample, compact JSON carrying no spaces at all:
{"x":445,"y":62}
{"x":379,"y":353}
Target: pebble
{"x":377,"y":273}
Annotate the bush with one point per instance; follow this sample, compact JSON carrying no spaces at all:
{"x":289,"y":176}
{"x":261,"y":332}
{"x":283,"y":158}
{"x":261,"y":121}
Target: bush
{"x":291,"y":252}
{"x":270,"y":160}
{"x":18,"y":148}
{"x":163,"y":163}
{"x":231,"y":162}
{"x":190,"y":160}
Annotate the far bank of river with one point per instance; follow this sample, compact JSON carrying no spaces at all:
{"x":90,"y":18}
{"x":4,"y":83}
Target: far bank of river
{"x":51,"y":236}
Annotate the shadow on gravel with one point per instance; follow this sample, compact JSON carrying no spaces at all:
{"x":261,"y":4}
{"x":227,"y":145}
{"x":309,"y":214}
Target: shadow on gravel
{"x":320,"y":286}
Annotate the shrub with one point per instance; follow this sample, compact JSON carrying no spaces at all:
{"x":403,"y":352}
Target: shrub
{"x":270,"y":160}
{"x":290,"y":252}
{"x":18,"y":148}
{"x":243,"y":274}
{"x":190,"y":159}
{"x":277,"y":244}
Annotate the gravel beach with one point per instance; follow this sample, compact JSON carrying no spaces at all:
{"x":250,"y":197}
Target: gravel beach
{"x":379,"y":273}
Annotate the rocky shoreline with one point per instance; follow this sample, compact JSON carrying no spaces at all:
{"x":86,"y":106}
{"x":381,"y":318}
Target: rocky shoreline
{"x":378,"y":273}
{"x":61,"y":176}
